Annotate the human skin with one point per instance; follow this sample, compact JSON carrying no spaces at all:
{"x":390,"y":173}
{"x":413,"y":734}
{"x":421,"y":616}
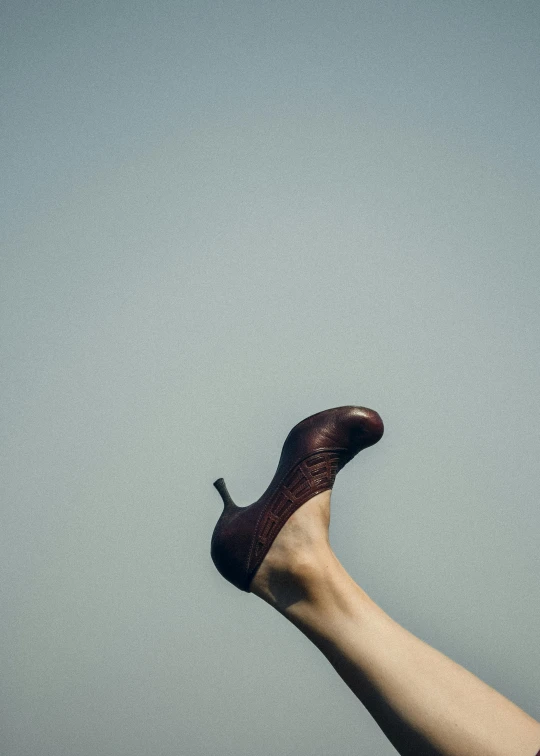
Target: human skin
{"x":425,"y":703}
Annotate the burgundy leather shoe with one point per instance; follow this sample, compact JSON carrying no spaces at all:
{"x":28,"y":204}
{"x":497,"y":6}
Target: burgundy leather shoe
{"x":313,"y":453}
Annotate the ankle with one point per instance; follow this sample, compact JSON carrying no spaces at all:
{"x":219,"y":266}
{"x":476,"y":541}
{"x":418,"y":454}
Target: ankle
{"x":317,"y":595}
{"x":303,"y":579}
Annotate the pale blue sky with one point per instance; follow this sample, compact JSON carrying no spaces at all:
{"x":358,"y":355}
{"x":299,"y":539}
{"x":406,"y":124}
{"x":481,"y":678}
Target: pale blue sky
{"x":217,"y":219}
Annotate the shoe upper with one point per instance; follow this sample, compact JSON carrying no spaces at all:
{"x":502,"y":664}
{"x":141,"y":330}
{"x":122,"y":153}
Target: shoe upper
{"x":315,"y":450}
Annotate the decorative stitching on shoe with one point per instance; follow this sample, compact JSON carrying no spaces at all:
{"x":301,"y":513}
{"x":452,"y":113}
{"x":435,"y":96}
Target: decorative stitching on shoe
{"x":337,"y":450}
{"x":311,"y":475}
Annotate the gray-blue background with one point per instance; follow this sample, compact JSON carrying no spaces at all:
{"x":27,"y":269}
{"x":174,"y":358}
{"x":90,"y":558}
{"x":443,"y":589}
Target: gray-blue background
{"x":217,"y":219}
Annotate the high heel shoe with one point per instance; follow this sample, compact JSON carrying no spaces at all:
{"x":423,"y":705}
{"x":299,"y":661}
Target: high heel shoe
{"x":314,"y":452}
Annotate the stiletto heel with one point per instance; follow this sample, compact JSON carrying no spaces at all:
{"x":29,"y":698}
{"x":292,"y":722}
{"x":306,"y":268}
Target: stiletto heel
{"x":223,"y":492}
{"x":314,"y":452}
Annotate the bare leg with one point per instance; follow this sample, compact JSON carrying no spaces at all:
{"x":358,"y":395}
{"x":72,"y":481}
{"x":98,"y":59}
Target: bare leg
{"x":425,"y":703}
